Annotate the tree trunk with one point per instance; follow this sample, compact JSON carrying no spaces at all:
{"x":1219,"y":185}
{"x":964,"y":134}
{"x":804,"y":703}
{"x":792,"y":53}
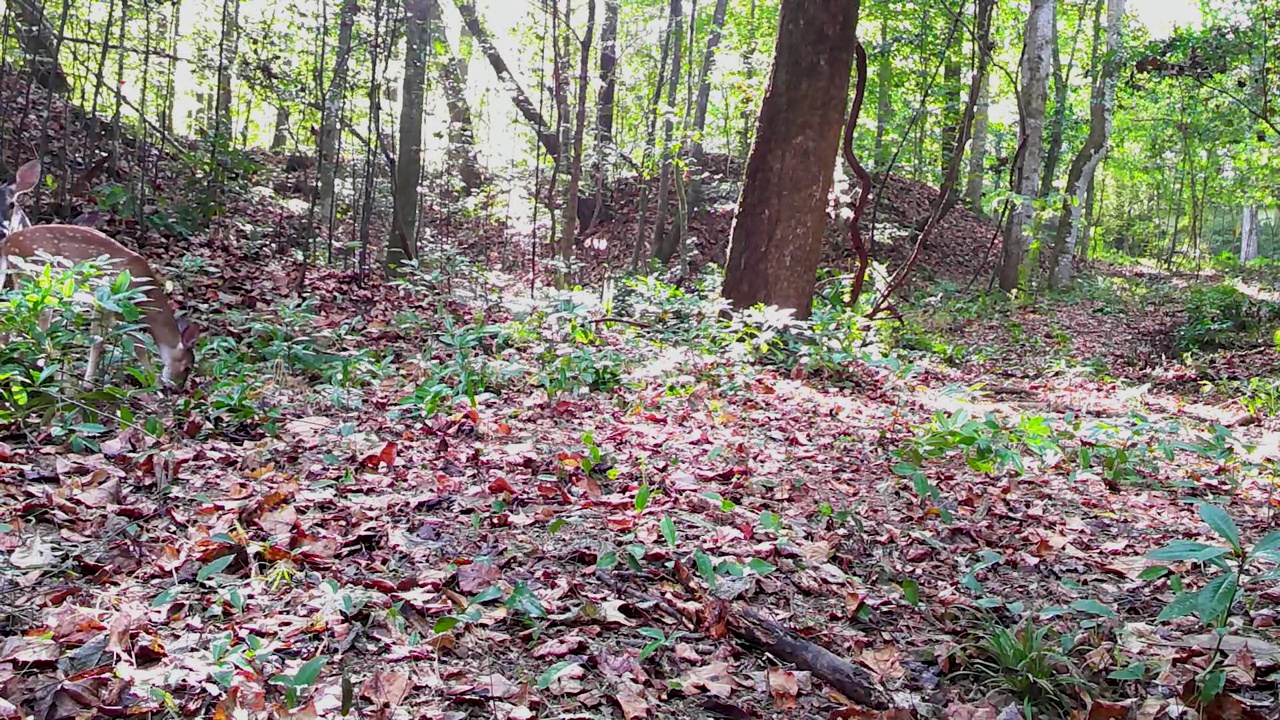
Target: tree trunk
{"x":1061,"y":84}
{"x":1036,"y":58}
{"x":228,"y":45}
{"x":402,"y":245}
{"x":40,"y":44}
{"x":453,"y":80}
{"x":664,"y":243}
{"x":693,"y":199}
{"x":280,"y":136}
{"x":1085,"y":163}
{"x":1249,"y":233}
{"x":327,"y":155}
{"x":546,"y":135}
{"x":777,"y":236}
{"x":884,"y":99}
{"x":569,"y":221}
{"x":608,"y":73}
{"x":950,"y":112}
{"x":978,"y":149}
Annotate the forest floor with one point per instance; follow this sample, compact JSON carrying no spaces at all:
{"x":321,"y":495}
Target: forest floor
{"x":444,"y":498}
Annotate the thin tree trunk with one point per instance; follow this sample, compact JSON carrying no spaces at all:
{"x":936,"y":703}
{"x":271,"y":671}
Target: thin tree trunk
{"x":777,"y":236}
{"x":1061,"y":84}
{"x":605,"y":103}
{"x":884,"y":98}
{"x":39,"y":42}
{"x":453,"y":80}
{"x":664,"y":245}
{"x":402,"y":245}
{"x":978,"y":149}
{"x":569,"y":223}
{"x":1085,"y":163}
{"x":693,"y":196}
{"x":546,"y":135}
{"x":280,"y":135}
{"x":1036,"y":58}
{"x":328,"y":142}
{"x":1249,"y":233}
{"x":951,"y":110}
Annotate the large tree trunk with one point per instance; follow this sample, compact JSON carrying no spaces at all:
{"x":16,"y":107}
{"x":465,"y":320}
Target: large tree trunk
{"x":1249,"y":233}
{"x":777,"y":235}
{"x":453,"y":80}
{"x":39,"y":42}
{"x":328,"y":141}
{"x":608,"y":73}
{"x":1036,"y":58}
{"x":884,"y":99}
{"x":664,"y":243}
{"x":978,"y":148}
{"x":1085,"y":163}
{"x":546,"y":134}
{"x":402,"y":245}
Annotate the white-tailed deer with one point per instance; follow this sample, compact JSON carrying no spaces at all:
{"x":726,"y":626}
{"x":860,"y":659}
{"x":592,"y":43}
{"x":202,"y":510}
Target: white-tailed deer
{"x":174,"y":338}
{"x":12,"y":218}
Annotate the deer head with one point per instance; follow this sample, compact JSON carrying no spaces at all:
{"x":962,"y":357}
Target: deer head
{"x":12,"y":218}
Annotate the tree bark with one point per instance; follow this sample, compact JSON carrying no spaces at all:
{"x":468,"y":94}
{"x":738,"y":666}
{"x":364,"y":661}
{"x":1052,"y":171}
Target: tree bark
{"x":608,"y":73}
{"x":664,"y":243}
{"x":39,"y":42}
{"x":1249,"y":233}
{"x":951,"y":110}
{"x":777,"y":236}
{"x":1036,"y":58}
{"x":884,"y":99}
{"x":402,"y":245}
{"x":693,"y":198}
{"x":978,"y":149}
{"x":453,"y":80}
{"x":1086,"y":161}
{"x":1061,"y":84}
{"x":327,"y":155}
{"x":546,"y":134}
{"x":569,"y":221}
{"x":280,"y":135}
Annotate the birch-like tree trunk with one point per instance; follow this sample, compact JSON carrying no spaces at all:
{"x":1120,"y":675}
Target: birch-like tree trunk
{"x":1085,"y":164}
{"x":1035,"y":65}
{"x":1249,"y":233}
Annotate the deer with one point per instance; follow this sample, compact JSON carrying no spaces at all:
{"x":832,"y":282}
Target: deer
{"x":21,"y":241}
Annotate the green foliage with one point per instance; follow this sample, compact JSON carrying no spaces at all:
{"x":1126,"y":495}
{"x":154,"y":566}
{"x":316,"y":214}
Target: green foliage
{"x":47,"y":320}
{"x":1235,"y":569}
{"x":1029,"y":663}
{"x":1221,"y":316}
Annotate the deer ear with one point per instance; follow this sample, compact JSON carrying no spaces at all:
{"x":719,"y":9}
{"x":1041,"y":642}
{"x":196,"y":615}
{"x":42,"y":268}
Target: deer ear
{"x":27,"y":177}
{"x":188,"y":332}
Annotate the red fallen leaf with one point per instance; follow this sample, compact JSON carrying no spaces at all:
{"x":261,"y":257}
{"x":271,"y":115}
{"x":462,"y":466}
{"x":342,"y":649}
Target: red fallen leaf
{"x":1105,"y":710}
{"x":478,"y":576}
{"x":501,"y":485}
{"x":559,"y":647}
{"x":783,"y":686}
{"x":631,"y":698}
{"x":387,"y":688}
{"x":386,"y":454}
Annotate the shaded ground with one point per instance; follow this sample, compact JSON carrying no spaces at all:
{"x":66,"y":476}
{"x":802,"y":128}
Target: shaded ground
{"x":334,"y":529}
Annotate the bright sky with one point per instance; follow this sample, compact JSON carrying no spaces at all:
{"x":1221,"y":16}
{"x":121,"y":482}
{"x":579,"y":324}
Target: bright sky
{"x":1162,"y":16}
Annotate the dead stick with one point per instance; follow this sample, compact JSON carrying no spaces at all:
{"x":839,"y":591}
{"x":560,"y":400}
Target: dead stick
{"x":852,"y":681}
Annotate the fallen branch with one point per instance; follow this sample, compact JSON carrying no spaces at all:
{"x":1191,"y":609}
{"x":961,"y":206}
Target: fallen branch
{"x":852,"y":681}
